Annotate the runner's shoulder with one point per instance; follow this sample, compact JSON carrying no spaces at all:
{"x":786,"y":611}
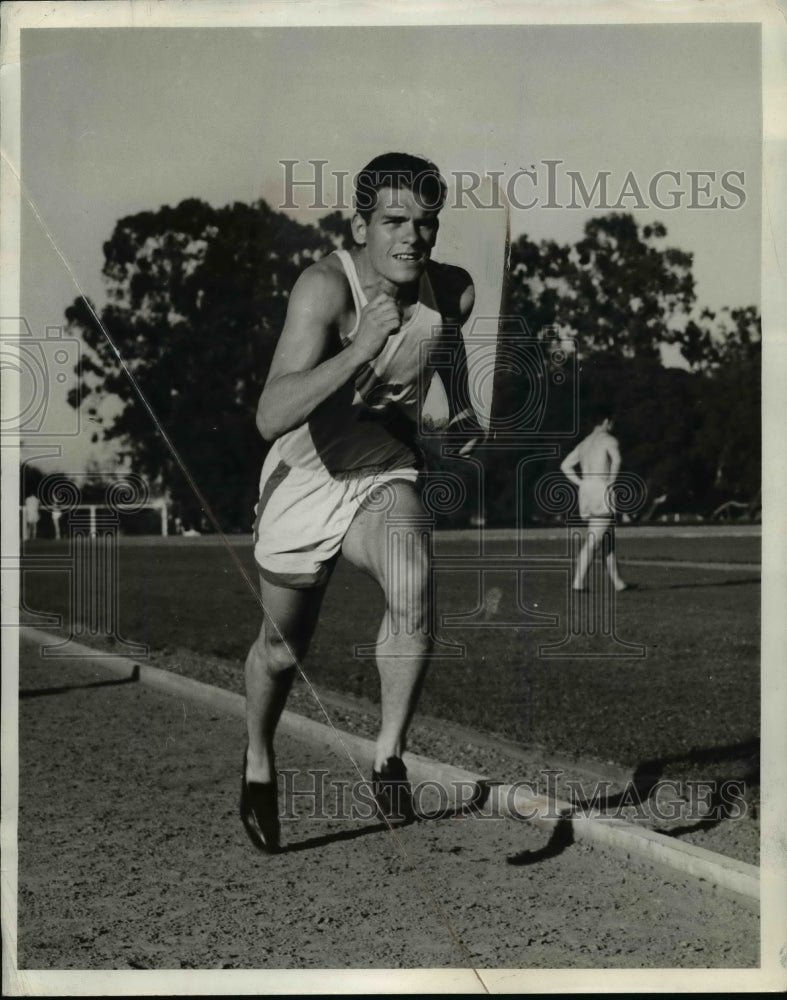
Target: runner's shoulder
{"x":323,"y":288}
{"x":449,"y":277}
{"x":453,"y":288}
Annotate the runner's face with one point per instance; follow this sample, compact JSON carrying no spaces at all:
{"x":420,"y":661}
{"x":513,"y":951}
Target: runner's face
{"x":399,"y":236}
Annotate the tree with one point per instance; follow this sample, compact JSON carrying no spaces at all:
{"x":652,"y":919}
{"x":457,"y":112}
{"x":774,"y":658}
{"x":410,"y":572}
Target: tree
{"x":337,"y":226}
{"x":658,"y":411}
{"x":30,"y":479}
{"x":616,"y":290}
{"x":617,"y":296}
{"x":730,"y":433}
{"x":196,"y":299}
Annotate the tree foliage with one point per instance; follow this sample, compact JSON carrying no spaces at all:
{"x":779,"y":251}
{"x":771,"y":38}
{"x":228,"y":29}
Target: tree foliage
{"x":616,"y":299}
{"x":617,"y":290}
{"x":730,"y":431}
{"x":197,"y":298}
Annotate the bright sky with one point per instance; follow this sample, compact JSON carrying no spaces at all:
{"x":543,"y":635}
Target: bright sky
{"x":116,"y":121}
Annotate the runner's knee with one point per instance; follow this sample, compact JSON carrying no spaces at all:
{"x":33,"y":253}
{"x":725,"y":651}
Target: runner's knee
{"x":408,"y":616}
{"x":279,"y":656}
{"x":407,"y":594}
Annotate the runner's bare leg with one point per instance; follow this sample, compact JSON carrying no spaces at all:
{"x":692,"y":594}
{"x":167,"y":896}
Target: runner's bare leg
{"x":290,"y":619}
{"x":390,"y":546}
{"x":611,"y":560}
{"x":586,"y":555}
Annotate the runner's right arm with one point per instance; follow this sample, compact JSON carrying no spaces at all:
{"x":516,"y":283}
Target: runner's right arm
{"x":569,"y":463}
{"x":301,"y":377}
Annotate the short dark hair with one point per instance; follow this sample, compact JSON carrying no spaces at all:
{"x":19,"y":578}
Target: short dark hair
{"x":399,"y":170}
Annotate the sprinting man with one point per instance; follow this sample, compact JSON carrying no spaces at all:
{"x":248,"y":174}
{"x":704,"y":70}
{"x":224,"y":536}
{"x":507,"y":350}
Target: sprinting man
{"x":598,"y":458}
{"x":344,"y":392}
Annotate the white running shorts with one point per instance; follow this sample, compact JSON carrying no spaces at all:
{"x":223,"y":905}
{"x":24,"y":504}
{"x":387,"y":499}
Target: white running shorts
{"x":302,"y":516}
{"x":595,"y":499}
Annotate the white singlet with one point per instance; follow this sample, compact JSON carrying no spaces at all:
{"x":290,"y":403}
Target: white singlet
{"x":317,"y":476}
{"x":365,"y":425}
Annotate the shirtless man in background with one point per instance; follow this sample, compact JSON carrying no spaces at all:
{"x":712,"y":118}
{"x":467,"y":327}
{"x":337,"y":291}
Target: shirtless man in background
{"x":598,"y":457}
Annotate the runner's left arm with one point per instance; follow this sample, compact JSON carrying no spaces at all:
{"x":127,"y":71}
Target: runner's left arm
{"x":613,"y":457}
{"x":458,"y":295}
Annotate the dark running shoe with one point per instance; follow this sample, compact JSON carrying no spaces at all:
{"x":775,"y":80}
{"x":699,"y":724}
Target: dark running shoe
{"x":259,"y":812}
{"x":393,"y":792}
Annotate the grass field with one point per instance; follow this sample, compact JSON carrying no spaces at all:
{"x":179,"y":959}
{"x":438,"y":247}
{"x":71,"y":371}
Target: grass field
{"x":690,"y":705}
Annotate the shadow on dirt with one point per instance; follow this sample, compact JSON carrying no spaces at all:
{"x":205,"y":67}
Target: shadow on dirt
{"x":68,"y":688}
{"x":444,"y":813}
{"x":719,"y":801}
{"x":312,"y":843}
{"x":643,"y":587}
{"x":720,"y":583}
{"x":562,"y":837}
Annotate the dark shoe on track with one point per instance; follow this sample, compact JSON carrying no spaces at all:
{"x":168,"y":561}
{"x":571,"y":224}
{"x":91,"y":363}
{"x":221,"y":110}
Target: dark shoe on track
{"x":259,"y":812}
{"x":393,"y":792}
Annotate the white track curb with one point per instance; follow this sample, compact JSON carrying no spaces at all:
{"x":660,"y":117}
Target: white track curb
{"x":511,"y":800}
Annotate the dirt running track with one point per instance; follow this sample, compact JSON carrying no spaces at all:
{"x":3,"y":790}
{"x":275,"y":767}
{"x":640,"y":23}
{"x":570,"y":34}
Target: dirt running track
{"x":131,"y":856}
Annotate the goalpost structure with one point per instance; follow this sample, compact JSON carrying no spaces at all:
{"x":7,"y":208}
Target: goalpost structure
{"x":93,"y":509}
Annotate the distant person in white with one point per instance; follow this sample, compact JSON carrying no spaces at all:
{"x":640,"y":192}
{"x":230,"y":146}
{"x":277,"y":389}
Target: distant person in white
{"x":57,"y":513}
{"x":31,"y":516}
{"x":598,"y":458}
